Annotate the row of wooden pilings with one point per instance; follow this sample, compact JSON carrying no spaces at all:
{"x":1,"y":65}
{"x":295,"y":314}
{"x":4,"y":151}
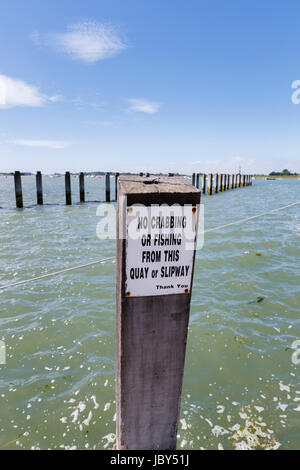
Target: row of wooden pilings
{"x":215,"y":183}
{"x":210,"y":184}
{"x":68,"y":192}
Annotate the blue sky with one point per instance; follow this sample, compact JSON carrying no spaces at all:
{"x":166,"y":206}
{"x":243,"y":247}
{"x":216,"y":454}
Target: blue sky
{"x":144,"y":85}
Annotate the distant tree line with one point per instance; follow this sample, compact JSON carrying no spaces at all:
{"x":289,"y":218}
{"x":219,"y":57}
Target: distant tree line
{"x":284,"y":172}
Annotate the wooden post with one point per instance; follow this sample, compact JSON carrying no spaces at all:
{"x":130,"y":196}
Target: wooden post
{"x":203,"y":183}
{"x":244,"y":180}
{"x":228,"y":182}
{"x":18,"y":190}
{"x":116,"y":185}
{"x":240,"y":179}
{"x":39,"y":188}
{"x":232,"y":181}
{"x":211,"y":179}
{"x":81,"y":187}
{"x":152,"y":310}
{"x":194,"y":179}
{"x":221,"y":183}
{"x":68,"y":188}
{"x":217,"y":183}
{"x":197,"y":180}
{"x":107,"y":187}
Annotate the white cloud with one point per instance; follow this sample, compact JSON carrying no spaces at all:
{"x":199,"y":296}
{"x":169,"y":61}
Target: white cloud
{"x":15,"y":92}
{"x":87,"y":41}
{"x":50,"y":144}
{"x":143,"y":106}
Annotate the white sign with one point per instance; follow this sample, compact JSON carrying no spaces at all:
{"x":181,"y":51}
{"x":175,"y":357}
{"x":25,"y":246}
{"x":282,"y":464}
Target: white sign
{"x":160,"y":247}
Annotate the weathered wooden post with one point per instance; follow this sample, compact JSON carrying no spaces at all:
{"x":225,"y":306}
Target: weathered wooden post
{"x":107,"y":187}
{"x":227,"y":182}
{"x":203,"y":183}
{"x":232,"y":181}
{"x":68,"y":188}
{"x":211,"y":183}
{"x":221,"y":183}
{"x":81,"y":187}
{"x":116,"y":185}
{"x":18,"y":189}
{"x":154,"y":284}
{"x":39,"y":188}
{"x":193,"y":179}
{"x":244,"y":180}
{"x":197,"y":180}
{"x":240,"y":180}
{"x":217,"y":184}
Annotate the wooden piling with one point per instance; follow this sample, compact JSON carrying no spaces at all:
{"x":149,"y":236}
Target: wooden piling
{"x":151,"y":322}
{"x":244,"y":180}
{"x":203,"y":183}
{"x":116,"y":185}
{"x":211,"y":179}
{"x":68,"y":188}
{"x":39,"y":188}
{"x":221,"y":183}
{"x":194,"y":179}
{"x":107,"y":187}
{"x":232,"y":181}
{"x":217,"y":184}
{"x":81,"y":187}
{"x":18,"y":190}
{"x":197,"y":181}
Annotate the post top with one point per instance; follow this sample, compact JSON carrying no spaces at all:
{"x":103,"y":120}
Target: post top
{"x":155,"y":185}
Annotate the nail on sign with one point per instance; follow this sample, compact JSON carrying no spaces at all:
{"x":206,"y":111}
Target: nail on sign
{"x":160,"y":247}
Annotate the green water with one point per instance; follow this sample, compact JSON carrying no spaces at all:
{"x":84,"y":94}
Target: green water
{"x":57,"y":387}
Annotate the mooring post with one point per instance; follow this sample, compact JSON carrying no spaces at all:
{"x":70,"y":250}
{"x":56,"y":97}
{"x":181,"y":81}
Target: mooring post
{"x":116,"y":185}
{"x":240,"y":180}
{"x":193,"y":179}
{"x":18,"y":189}
{"x":68,"y":188}
{"x":81,"y":187}
{"x":244,"y":180}
{"x":197,"y":180}
{"x":232,"y":181}
{"x":153,"y":303}
{"x":107,"y":187}
{"x":217,"y":184}
{"x":211,"y":179}
{"x":221,"y":183}
{"x":39,"y":188}
{"x":203,"y":183}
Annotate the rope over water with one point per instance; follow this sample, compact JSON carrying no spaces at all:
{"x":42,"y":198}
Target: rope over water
{"x":25,"y":281}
